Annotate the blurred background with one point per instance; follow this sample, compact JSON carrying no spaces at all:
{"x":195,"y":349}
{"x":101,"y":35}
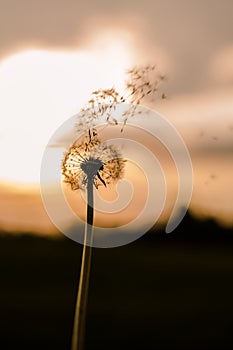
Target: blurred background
{"x":162,"y":290}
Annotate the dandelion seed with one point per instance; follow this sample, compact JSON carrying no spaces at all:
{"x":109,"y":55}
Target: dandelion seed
{"x":102,"y":103}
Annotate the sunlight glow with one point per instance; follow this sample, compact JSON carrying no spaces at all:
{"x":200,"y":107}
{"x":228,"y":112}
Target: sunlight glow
{"x":41,"y":89}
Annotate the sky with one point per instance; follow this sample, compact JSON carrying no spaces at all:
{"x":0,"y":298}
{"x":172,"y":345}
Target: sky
{"x":54,"y":53}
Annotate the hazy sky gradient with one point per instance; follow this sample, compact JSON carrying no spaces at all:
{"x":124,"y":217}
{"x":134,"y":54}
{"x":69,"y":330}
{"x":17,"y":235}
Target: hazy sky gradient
{"x":189,"y":34}
{"x":191,"y":41}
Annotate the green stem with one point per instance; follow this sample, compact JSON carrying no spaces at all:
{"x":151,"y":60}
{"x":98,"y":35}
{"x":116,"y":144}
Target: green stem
{"x":79,"y":325}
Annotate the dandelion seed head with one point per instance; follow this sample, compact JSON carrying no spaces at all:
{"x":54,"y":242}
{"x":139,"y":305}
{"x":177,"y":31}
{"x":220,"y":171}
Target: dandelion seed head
{"x":92,"y":160}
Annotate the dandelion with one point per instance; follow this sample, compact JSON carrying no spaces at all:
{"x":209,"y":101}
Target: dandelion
{"x":92,"y":163}
{"x":88,"y":164}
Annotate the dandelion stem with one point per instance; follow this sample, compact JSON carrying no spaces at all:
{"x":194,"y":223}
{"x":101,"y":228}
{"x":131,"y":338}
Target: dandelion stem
{"x":79,"y":325}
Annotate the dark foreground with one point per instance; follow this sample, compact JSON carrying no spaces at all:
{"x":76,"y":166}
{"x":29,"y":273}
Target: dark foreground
{"x":162,"y":292}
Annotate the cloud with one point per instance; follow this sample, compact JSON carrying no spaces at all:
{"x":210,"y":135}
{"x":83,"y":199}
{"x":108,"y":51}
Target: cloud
{"x":221,"y":67}
{"x":34,"y":23}
{"x":204,"y":119}
{"x":188,"y":33}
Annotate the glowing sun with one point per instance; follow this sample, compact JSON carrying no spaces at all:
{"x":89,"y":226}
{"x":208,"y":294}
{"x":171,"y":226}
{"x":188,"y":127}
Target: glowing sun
{"x":41,"y":89}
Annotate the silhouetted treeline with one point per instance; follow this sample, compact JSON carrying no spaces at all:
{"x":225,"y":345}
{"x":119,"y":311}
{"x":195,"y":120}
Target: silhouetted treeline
{"x":163,"y":291}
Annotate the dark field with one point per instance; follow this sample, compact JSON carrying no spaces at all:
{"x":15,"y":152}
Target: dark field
{"x":162,"y":292}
